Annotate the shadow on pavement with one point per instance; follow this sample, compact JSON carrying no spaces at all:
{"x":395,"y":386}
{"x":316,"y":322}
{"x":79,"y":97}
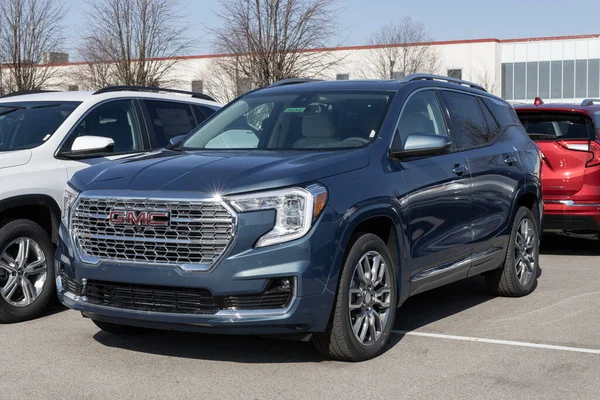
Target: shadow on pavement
{"x":54,"y":307}
{"x":555,"y":244}
{"x":441,"y":303}
{"x":242,"y":349}
{"x":415,"y":313}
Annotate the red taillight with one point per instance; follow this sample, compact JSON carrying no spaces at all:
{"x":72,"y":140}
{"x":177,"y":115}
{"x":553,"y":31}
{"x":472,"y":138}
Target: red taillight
{"x":538,"y":102}
{"x":592,"y":147}
{"x":595,"y":150}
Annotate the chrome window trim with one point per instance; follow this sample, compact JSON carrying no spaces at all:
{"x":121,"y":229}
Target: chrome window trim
{"x":186,"y":268}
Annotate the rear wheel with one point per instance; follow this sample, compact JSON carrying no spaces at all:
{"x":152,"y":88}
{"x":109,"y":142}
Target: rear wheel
{"x":365,"y":304}
{"x":118,"y":329}
{"x":519,"y":274}
{"x":26,"y":270}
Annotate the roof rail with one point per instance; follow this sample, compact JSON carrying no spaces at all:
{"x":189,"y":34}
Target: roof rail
{"x":292,"y":81}
{"x":590,"y":102}
{"x":417,"y":77}
{"x":23,"y":92}
{"x":124,"y":88}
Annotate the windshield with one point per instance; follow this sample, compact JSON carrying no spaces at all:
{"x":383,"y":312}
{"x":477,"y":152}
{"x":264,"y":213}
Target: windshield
{"x":555,"y":126}
{"x":25,"y":125}
{"x":297,"y":120}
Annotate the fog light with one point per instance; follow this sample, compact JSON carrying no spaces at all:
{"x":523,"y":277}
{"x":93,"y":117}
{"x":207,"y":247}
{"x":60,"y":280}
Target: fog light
{"x":280,"y":285}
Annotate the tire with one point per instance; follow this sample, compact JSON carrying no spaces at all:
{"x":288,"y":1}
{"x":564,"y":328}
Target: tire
{"x":339,"y":340}
{"x":38,"y":243}
{"x":507,"y":281}
{"x":120,"y":330}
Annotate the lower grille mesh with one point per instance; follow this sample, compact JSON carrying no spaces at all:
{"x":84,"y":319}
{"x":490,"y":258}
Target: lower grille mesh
{"x":151,"y":298}
{"x":176,"y":300}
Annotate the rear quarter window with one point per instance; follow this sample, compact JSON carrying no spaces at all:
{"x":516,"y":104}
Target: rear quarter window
{"x":504,"y":113}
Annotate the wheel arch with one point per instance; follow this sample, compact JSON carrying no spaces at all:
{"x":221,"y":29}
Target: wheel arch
{"x":39,"y":208}
{"x":382,"y":220}
{"x":530,"y":197}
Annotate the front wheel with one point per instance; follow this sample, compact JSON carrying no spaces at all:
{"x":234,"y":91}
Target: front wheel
{"x":26,"y":270}
{"x":365,"y":304}
{"x":518,"y":276}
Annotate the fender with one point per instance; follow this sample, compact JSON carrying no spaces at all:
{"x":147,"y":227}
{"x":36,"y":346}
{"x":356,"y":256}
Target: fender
{"x":528,"y":188}
{"x":35,"y":200}
{"x":352,"y":218}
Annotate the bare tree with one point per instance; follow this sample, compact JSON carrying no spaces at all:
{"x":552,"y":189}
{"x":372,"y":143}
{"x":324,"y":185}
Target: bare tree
{"x":132,"y":42}
{"x":219,"y":82}
{"x":400,"y":48}
{"x":29,"y":31}
{"x":269,"y":40}
{"x":486,"y":78}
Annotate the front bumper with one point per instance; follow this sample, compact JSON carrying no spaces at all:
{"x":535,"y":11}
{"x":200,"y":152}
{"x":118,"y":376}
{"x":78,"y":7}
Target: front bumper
{"x":241,"y":272}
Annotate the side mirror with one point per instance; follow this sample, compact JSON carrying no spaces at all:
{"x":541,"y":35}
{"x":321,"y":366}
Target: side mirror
{"x":91,"y":145}
{"x":422,"y":144}
{"x":176,"y":139}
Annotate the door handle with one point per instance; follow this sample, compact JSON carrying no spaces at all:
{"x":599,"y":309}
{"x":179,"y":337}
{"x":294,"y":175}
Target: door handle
{"x":510,"y":160}
{"x":460,"y":169}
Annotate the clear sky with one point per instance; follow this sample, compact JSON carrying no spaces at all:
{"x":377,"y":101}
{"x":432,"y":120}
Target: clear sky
{"x":445,"y":20}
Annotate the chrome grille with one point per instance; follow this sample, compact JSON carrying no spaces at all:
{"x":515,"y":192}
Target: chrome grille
{"x":198,"y":233}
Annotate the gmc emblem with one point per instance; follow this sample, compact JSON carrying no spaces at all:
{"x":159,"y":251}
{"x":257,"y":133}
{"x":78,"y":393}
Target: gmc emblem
{"x":139,"y":218}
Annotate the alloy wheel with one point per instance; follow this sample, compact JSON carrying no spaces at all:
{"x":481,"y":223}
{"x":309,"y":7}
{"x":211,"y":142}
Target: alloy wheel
{"x":370,"y":295}
{"x":23,"y":272}
{"x":525,"y":252}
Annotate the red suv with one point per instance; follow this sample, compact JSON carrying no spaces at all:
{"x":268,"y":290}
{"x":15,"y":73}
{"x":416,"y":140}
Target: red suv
{"x":569,"y":137}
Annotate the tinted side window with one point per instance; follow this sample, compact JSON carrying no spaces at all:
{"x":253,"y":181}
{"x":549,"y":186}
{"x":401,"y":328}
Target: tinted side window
{"x":468,"y":123}
{"x":503,"y":112}
{"x":493,"y":126}
{"x":115,"y":120}
{"x":421,"y":114}
{"x":206,"y":110}
{"x":169,"y":119}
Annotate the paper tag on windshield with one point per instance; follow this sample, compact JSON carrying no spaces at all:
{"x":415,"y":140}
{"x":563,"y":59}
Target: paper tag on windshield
{"x":295,"y":109}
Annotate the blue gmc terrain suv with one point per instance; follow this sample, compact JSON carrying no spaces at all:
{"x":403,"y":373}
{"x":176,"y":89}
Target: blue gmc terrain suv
{"x":308,"y":208}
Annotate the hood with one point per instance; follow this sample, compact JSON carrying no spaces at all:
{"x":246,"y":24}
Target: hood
{"x":222,"y":172}
{"x":14,"y":158}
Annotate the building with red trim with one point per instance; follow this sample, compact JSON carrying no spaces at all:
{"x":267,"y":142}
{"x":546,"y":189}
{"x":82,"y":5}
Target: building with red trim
{"x":564,"y":68}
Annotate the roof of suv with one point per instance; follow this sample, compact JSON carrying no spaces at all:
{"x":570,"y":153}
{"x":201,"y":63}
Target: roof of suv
{"x":425,"y":80}
{"x":81,"y":96}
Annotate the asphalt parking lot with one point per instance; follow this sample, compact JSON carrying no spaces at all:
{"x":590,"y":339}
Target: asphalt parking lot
{"x":461,"y":343}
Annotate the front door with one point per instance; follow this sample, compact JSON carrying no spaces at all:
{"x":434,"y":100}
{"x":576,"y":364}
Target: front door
{"x":117,"y":120}
{"x":437,"y":201}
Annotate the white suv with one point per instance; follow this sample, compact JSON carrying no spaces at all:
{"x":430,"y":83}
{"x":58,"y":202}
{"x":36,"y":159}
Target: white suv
{"x":46,"y":137}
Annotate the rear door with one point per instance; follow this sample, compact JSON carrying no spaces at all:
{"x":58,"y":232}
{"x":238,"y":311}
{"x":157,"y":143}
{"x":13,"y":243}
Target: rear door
{"x":496,"y":174}
{"x":169,"y":119}
{"x":564,"y":138}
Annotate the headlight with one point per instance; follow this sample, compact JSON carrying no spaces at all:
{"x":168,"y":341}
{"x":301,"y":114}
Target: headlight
{"x":296,"y":210}
{"x":69,"y":197}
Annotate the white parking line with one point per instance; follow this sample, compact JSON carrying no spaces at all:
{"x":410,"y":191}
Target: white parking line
{"x":494,"y":341}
